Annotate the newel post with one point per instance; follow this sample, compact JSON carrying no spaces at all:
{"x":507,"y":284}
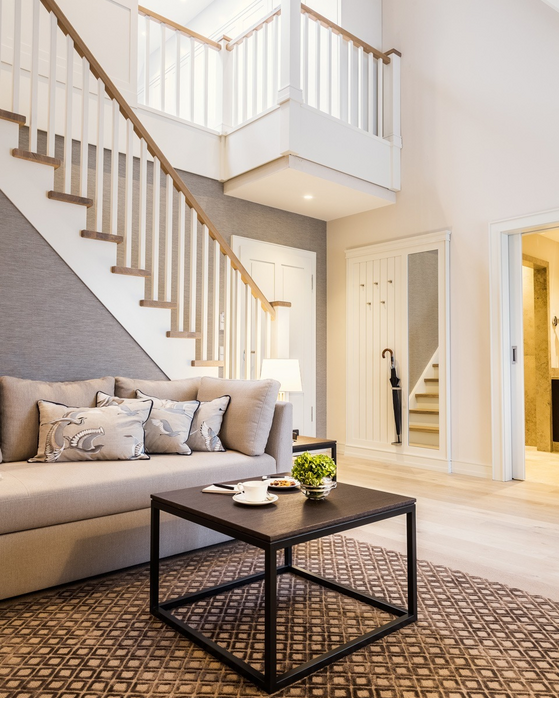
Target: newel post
{"x":280,"y":329}
{"x":290,"y":52}
{"x":392,"y":131}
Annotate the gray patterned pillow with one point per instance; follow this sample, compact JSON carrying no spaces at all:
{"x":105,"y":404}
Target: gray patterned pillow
{"x":168,"y":427}
{"x":207,"y":424}
{"x":69,"y":434}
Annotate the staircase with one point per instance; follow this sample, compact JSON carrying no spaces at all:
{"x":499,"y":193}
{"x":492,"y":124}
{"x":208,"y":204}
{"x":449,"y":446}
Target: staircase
{"x":79,"y":164}
{"x":424,"y":416}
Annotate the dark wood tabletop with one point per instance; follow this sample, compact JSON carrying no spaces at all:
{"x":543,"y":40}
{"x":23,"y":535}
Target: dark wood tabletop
{"x":291,"y":516}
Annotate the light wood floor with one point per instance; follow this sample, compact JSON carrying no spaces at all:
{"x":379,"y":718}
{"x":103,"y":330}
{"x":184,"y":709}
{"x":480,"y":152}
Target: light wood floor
{"x":507,"y":532}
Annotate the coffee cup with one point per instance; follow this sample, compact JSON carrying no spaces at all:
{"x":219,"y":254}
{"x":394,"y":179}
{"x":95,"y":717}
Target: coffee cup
{"x":255,"y":490}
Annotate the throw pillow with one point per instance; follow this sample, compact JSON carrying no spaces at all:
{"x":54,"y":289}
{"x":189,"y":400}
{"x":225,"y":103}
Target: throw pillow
{"x":247,"y":425}
{"x":206,"y":425}
{"x":181,"y":390}
{"x":19,"y":417}
{"x":69,"y":434}
{"x":169,"y":425}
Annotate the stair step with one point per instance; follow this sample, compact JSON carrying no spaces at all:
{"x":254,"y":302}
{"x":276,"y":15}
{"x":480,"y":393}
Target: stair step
{"x":435,"y":364}
{"x":425,"y":411}
{"x":424,"y":428}
{"x":37,"y":157}
{"x":187,"y":335}
{"x":107,"y":237}
{"x":426,"y":395}
{"x":207,"y":363}
{"x":67,"y":198}
{"x":422,"y":445}
{"x":162,"y":304}
{"x":431,"y":380}
{"x":120,"y":270}
{"x":12,"y":117}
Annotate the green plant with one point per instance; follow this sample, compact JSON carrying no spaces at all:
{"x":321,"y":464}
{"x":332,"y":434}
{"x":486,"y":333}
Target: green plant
{"x":311,"y":469}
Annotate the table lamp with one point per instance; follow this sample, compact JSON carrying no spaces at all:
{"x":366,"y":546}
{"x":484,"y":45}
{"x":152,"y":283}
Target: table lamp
{"x":286,"y":371}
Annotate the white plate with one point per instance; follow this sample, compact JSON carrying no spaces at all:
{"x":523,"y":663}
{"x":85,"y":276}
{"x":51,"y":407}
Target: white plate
{"x":240,"y":499}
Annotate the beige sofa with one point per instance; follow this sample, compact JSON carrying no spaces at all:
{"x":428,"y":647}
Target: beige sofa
{"x":65,"y":521}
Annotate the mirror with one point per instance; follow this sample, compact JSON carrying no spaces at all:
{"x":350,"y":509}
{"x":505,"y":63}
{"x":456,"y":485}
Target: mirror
{"x":423,"y":349}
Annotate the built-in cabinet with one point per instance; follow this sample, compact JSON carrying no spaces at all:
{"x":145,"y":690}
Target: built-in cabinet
{"x":397,"y":299}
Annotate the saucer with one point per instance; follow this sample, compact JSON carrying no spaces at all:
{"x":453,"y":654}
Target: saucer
{"x":269,"y":500}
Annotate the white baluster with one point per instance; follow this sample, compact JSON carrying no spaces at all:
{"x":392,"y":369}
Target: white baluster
{"x":236,"y":87}
{"x":168,"y":277}
{"x":51,"y":132}
{"x":147,"y":66}
{"x":162,"y":55}
{"x":192,"y":78}
{"x":268,"y":336}
{"x":254,"y":73}
{"x":380,"y":98}
{"x":244,"y":106}
{"x":204,"y":291}
{"x":318,"y":65}
{"x":206,"y":85}
{"x":100,"y":156}
{"x":114,"y":170}
{"x":371,"y":93}
{"x":180,"y":262}
{"x":142,"y":209}
{"x":156,"y":208}
{"x":69,"y":107}
{"x":353,"y":87}
{"x":216,"y":307}
{"x":344,"y":49}
{"x":227,"y":352}
{"x":34,"y":85}
{"x":330,"y":77}
{"x":193,"y":268}
{"x":238,"y":328}
{"x":275,"y":58}
{"x":84,"y":154}
{"x":16,"y":62}
{"x":265,"y":79}
{"x":178,"y":73}
{"x":305,"y":57}
{"x":361,"y":60}
{"x":258,"y":340}
{"x":128,"y":194}
{"x":248,"y":332}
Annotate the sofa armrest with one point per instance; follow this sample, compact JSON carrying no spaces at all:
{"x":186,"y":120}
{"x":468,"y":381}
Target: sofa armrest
{"x":280,"y":439}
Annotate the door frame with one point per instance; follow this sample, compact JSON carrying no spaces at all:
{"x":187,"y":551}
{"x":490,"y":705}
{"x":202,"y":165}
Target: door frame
{"x":506,"y":330}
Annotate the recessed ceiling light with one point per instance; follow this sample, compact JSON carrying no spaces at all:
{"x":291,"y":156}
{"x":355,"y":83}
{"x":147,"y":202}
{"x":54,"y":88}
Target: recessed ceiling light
{"x":308,"y":197}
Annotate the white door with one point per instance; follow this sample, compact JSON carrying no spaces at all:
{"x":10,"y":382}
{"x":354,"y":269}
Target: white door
{"x":288,"y":274}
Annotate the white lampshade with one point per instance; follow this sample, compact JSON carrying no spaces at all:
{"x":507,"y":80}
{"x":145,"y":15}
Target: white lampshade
{"x":286,"y":371}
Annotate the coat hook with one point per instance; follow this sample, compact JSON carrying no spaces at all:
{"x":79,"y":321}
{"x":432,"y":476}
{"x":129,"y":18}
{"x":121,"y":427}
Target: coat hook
{"x":390,"y":281}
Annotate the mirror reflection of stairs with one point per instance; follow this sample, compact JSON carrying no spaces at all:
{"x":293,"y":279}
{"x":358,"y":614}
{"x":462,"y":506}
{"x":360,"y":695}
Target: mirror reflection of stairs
{"x":424,"y":418}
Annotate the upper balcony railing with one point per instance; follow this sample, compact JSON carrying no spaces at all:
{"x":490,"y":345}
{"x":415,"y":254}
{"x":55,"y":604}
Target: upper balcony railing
{"x":221,"y":85}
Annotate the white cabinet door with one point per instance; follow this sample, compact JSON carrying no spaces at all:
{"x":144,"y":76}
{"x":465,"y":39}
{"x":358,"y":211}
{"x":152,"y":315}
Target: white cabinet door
{"x":288,"y":274}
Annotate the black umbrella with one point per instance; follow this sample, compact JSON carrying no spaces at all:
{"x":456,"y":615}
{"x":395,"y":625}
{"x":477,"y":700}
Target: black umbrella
{"x":396,"y":397}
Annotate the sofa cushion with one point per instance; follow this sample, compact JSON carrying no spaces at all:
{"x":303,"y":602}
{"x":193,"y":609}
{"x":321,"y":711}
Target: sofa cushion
{"x":248,"y":420}
{"x":115,"y":432}
{"x":169,"y":425}
{"x":39,"y":495}
{"x":207,"y":424}
{"x":186,"y":389}
{"x":19,"y":415}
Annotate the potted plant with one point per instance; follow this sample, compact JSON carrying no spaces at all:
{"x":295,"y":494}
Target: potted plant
{"x":316,"y":474}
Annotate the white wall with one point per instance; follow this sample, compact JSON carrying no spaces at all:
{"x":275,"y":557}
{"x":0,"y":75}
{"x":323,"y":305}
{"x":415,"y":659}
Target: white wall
{"x":474,"y":152}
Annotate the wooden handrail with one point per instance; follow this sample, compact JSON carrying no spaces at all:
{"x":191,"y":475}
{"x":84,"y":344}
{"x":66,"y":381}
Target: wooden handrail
{"x":180,"y":28}
{"x":247,"y":33}
{"x":345,"y":34}
{"x":142,"y":133}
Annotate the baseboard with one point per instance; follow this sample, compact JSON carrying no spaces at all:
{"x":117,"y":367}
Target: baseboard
{"x":472,"y":469}
{"x":388,"y":456}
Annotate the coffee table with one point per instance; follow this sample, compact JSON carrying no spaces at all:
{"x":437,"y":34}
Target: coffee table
{"x":290,"y":521}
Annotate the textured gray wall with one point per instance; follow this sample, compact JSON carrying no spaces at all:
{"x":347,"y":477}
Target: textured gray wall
{"x":58,"y":330}
{"x":423,"y":309}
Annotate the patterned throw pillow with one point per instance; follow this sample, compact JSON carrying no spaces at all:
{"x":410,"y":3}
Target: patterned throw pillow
{"x":69,"y":434}
{"x":168,"y":428}
{"x":207,"y":424}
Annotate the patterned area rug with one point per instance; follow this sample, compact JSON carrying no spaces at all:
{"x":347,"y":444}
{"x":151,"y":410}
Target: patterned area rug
{"x":474,"y":638}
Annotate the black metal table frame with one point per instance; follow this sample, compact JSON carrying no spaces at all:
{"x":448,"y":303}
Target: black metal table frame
{"x":269,"y":681}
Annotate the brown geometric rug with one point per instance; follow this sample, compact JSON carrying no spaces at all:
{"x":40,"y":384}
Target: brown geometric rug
{"x":474,"y":638}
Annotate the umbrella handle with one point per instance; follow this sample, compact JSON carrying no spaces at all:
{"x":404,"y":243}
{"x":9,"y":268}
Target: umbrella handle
{"x":391,"y":354}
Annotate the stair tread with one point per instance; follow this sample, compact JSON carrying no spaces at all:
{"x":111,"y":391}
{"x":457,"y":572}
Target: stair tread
{"x":431,"y":380}
{"x":107,"y":237}
{"x":12,"y":117}
{"x":426,"y":395}
{"x":68,"y":198}
{"x":428,"y":447}
{"x":207,"y":363}
{"x":184,"y":334}
{"x":135,"y":272}
{"x":435,"y":364}
{"x":427,"y":411}
{"x":36,"y":157}
{"x":418,"y":427}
